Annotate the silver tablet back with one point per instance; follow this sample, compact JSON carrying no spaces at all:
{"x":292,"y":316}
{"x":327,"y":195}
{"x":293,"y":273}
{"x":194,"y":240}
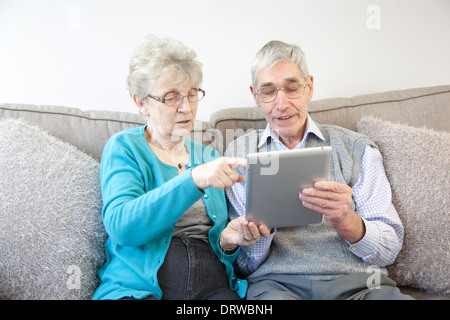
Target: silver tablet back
{"x":274,"y":181}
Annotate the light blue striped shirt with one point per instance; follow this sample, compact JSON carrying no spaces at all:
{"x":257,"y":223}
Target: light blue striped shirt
{"x":372,"y":195}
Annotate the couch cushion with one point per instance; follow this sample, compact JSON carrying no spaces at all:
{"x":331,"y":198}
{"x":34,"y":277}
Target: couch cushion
{"x":51,"y":231}
{"x":418,"y":107}
{"x":231,"y":123}
{"x":87,"y":130}
{"x":417,"y":163}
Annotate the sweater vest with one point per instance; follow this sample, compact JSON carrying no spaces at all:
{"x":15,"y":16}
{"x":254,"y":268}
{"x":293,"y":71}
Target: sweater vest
{"x":314,"y":251}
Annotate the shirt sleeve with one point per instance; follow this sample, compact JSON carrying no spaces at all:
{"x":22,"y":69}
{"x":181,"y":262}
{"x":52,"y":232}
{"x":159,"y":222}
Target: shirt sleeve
{"x":373,"y":198}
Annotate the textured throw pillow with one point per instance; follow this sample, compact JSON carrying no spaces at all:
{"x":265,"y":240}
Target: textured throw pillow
{"x":417,"y":163}
{"x":51,"y":232}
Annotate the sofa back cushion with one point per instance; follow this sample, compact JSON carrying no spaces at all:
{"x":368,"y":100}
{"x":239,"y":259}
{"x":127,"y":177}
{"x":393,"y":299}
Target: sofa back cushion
{"x":87,"y":130}
{"x":429,"y":107}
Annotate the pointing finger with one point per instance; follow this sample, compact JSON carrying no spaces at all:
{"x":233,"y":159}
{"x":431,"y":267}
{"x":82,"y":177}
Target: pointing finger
{"x":236,"y":162}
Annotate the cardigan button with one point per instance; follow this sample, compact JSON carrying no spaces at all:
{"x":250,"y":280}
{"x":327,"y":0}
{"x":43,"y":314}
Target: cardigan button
{"x":206,"y":196}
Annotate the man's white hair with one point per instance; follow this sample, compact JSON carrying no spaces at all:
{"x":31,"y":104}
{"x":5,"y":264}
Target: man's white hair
{"x":277,"y":51}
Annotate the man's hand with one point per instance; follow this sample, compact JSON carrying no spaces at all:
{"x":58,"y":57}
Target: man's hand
{"x":333,"y":200}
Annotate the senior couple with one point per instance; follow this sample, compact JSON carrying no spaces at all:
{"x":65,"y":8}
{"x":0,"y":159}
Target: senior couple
{"x":171,"y":235}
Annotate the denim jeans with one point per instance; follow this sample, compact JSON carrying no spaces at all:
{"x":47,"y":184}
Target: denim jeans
{"x":191,"y":271}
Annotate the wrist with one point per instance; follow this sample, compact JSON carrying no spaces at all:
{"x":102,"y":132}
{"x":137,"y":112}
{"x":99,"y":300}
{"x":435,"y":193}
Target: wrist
{"x":195,"y":180}
{"x":227,"y":248}
{"x":353,"y":230}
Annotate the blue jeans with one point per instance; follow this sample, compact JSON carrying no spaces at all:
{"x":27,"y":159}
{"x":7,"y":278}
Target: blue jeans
{"x":191,"y":271}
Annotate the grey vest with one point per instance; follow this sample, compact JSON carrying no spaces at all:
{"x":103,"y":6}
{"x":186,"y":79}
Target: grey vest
{"x":316,"y":252}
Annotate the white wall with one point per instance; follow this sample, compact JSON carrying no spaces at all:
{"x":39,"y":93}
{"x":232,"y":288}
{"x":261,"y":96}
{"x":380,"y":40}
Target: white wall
{"x":76,"y":52}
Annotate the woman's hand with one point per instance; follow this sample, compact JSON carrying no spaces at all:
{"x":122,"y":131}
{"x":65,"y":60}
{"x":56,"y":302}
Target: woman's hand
{"x":218,"y":173}
{"x":242,"y":232}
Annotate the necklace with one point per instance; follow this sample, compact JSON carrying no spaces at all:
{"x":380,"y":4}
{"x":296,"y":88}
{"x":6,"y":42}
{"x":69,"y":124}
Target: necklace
{"x":163,"y":154}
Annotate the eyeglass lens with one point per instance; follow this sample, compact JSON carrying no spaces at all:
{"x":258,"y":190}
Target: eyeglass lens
{"x":174,"y":98}
{"x":269,"y":93}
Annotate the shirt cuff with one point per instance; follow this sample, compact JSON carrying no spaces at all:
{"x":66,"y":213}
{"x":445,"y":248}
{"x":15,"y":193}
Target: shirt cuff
{"x":366,"y":248}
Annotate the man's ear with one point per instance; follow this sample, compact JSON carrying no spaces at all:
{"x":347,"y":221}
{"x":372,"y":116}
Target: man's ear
{"x":310,"y":84}
{"x":253,"y":91}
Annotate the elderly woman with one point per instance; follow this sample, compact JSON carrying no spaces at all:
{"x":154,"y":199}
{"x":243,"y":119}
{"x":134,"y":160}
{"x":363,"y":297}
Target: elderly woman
{"x":164,"y":206}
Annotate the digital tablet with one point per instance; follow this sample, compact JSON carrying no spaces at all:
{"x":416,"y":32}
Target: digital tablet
{"x":274,"y":181}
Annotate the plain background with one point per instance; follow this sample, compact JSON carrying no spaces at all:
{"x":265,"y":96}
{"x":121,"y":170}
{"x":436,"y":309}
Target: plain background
{"x":76,"y":52}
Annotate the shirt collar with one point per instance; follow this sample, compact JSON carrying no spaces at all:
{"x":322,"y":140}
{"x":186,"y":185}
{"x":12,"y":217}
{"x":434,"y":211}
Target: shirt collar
{"x":311,"y":127}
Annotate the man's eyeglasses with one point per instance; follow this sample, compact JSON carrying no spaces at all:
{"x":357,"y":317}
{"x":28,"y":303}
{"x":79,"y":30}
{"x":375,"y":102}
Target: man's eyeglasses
{"x":292,"y":91}
{"x":174,"y":98}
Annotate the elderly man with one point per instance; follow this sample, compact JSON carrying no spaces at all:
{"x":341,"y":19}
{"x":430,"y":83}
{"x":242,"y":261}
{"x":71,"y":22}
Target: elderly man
{"x":344,"y":256}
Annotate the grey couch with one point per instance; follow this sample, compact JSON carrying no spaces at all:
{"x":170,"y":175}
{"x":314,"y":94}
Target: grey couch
{"x":70,"y":272}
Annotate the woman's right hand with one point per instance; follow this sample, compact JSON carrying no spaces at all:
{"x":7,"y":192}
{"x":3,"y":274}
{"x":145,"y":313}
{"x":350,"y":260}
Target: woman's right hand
{"x":218,"y":173}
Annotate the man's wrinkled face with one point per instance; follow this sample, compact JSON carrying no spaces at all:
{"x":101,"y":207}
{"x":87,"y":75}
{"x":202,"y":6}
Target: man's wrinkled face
{"x":286,"y":115}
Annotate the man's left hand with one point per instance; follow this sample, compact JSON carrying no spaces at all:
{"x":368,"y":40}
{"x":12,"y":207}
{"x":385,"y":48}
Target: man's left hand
{"x":333,"y":200}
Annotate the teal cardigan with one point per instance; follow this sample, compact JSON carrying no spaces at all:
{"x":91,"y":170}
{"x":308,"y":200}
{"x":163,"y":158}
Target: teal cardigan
{"x":142,"y":200}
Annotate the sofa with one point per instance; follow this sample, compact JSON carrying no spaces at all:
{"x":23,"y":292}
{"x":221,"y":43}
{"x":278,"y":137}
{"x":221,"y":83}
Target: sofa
{"x":52,"y":236}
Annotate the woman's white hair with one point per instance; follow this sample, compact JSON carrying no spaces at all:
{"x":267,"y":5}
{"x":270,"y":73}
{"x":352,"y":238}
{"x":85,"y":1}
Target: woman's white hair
{"x":158,"y":57}
{"x":276,"y":51}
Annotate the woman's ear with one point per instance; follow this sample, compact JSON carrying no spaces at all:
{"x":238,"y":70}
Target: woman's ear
{"x":143,"y":109}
